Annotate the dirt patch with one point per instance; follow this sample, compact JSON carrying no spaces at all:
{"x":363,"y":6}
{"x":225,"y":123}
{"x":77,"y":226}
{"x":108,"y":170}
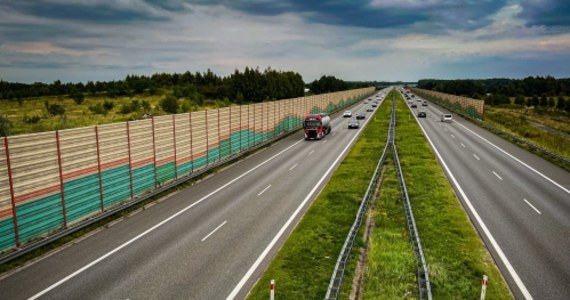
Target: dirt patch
{"x":357,"y":290}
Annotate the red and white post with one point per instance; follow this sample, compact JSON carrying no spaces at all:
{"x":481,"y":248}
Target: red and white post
{"x":272,"y":290}
{"x":484,"y":287}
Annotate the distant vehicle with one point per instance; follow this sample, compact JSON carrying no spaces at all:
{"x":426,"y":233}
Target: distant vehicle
{"x":424,"y":103}
{"x":369,"y":108}
{"x":446,"y":118}
{"x":414,"y":105}
{"x":353,"y":124}
{"x":347,"y":114}
{"x":374,"y":104}
{"x":316,"y":126}
{"x":360,"y":116}
{"x":422,"y":114}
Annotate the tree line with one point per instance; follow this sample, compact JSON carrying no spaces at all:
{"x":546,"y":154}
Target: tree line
{"x":531,"y":91}
{"x":251,"y":85}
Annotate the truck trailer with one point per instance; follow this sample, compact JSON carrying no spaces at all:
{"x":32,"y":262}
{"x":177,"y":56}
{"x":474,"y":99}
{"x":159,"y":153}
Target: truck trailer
{"x":316,"y":126}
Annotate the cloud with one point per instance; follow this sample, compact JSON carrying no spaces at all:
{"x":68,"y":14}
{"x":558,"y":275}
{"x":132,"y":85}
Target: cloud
{"x":551,"y":13}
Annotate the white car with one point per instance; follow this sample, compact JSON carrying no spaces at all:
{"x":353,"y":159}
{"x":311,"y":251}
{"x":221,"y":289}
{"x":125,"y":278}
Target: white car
{"x":347,"y":114}
{"x":446,"y":118}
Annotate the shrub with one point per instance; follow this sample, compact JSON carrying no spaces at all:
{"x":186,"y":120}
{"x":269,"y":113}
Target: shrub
{"x":54,"y":109}
{"x":108,"y":105}
{"x":5,"y":125}
{"x":32,"y":119}
{"x":169,"y":104}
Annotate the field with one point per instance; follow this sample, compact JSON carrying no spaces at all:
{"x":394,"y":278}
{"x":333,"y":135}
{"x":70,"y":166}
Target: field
{"x":31,"y":115}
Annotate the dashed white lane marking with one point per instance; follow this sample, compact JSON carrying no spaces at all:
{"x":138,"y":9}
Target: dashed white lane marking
{"x":293,"y":167}
{"x":476,"y":157}
{"x":325,"y":141}
{"x":452,"y":136}
{"x":213,"y":231}
{"x":529,"y":204}
{"x":497,"y":175}
{"x":334,"y":133}
{"x":312,"y":151}
{"x":463,"y":145}
{"x":263,"y":191}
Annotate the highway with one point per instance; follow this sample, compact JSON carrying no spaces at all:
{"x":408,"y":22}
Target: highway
{"x":209,"y":241}
{"x":519,"y":203}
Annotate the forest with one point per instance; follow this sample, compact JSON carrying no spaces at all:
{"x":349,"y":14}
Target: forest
{"x":531,"y":91}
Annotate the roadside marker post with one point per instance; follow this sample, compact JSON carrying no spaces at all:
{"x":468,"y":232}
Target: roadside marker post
{"x":272,"y":290}
{"x":484,"y":287}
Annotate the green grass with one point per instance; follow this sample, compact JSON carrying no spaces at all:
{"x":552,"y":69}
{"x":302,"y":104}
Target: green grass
{"x":456,"y":257}
{"x":303,"y":266}
{"x":392,"y":266}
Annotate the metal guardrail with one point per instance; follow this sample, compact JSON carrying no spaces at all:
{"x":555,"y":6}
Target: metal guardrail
{"x":502,"y":132}
{"x":423,"y":275}
{"x":525,"y":142}
{"x":342,"y":261}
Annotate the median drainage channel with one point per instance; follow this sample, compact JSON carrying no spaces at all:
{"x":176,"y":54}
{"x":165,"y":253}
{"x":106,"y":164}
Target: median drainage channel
{"x":423,"y":290}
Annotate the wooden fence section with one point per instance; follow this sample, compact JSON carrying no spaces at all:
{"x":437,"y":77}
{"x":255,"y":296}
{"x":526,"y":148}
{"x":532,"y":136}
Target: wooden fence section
{"x":51,"y":181}
{"x":471,"y":107}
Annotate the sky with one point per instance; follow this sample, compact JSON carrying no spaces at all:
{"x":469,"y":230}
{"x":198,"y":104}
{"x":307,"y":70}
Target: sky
{"x":354,"y":40}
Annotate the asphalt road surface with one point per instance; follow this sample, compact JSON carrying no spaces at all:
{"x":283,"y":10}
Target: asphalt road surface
{"x":519,"y":202}
{"x":209,"y":241}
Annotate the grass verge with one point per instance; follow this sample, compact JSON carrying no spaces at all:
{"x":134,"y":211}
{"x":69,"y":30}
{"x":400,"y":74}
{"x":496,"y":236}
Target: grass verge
{"x":456,"y":257}
{"x":303,"y":266}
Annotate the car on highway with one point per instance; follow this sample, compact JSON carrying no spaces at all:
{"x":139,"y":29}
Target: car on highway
{"x":424,"y":103}
{"x":347,"y":114}
{"x":369,"y":108}
{"x":414,"y":105}
{"x":360,"y":116}
{"x":446,"y":118}
{"x":422,"y":114}
{"x":374,"y":104}
{"x":353,"y":124}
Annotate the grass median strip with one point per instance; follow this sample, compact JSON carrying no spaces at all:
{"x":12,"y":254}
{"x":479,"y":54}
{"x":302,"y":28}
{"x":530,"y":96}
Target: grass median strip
{"x":392,"y":266}
{"x":303,"y":266}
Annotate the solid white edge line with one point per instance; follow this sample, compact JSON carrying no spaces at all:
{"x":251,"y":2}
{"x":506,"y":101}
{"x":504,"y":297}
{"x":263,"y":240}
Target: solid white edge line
{"x":293,"y":167}
{"x":527,"y":202}
{"x":276,"y":238}
{"x":263,"y":191}
{"x":486,"y":231}
{"x":213,"y":231}
{"x":495,"y":173}
{"x":51,"y":287}
{"x":516,"y":159}
{"x":476,"y":157}
{"x":463,"y":145}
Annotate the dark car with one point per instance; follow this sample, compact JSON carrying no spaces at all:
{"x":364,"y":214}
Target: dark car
{"x":414,"y":105}
{"x":374,"y":104}
{"x":353,"y":124}
{"x":360,"y":116}
{"x":422,"y":114}
{"x":369,"y":108}
{"x":424,"y":103}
